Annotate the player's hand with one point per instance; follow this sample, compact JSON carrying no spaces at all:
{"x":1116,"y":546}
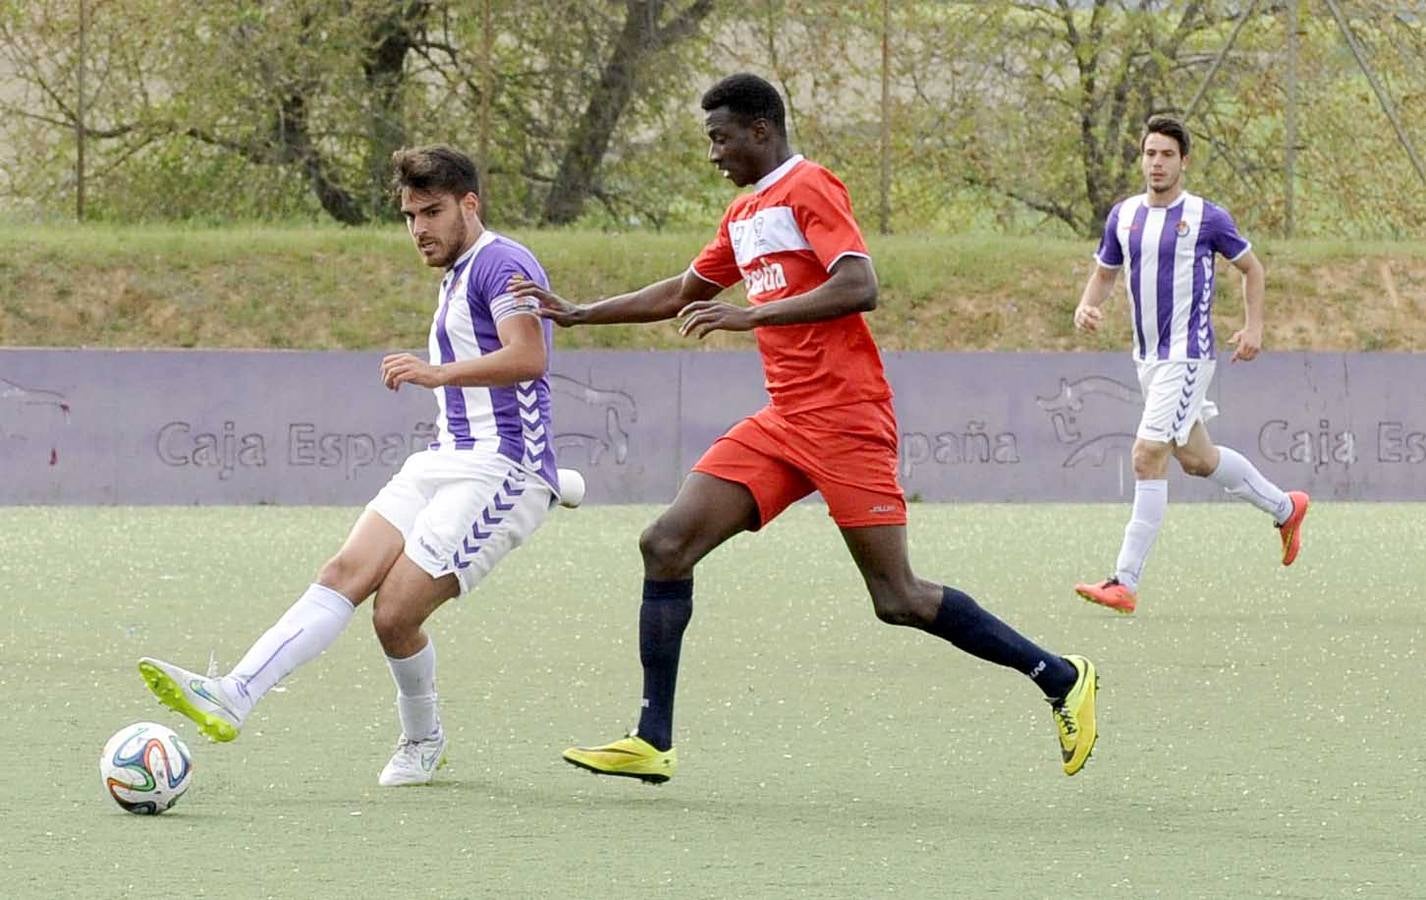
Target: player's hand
{"x":702,"y":317}
{"x":403,"y":368}
{"x":1087,"y":318}
{"x":1248,"y":343}
{"x":551,"y":305}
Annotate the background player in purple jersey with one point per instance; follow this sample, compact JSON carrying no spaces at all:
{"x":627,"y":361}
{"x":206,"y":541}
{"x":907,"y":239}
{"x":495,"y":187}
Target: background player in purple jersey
{"x":454,"y":510}
{"x":1166,"y":240}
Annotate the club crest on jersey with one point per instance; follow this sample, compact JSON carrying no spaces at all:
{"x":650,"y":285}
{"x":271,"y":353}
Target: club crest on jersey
{"x":760,"y":242}
{"x":1182,"y":228}
{"x":765,"y":279}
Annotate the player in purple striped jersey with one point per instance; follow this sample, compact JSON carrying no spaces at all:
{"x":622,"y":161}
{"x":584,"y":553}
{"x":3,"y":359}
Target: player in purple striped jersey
{"x":1166,"y":240}
{"x":455,"y":509}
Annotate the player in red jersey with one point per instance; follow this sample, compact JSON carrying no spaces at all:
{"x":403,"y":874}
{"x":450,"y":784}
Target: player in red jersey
{"x":830,"y":426}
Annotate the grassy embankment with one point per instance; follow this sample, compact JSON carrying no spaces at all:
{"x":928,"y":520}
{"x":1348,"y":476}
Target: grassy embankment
{"x":305,"y":287}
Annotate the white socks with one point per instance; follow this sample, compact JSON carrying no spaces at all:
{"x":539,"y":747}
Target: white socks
{"x":1241,"y":478}
{"x":415,"y":678}
{"x":1151,"y":498}
{"x":308,"y":627}
{"x":1234,"y":474}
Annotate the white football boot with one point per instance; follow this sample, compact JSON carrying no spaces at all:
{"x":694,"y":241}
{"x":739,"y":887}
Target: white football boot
{"x":414,"y":762}
{"x":204,"y":700}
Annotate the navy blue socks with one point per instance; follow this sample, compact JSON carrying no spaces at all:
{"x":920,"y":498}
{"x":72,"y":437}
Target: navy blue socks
{"x":965,"y":624}
{"x":667,"y":607}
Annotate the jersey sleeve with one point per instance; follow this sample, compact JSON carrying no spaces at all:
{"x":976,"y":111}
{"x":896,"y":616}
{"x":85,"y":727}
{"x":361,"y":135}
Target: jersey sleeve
{"x":823,"y":210}
{"x":493,"y":287}
{"x":716,"y":263}
{"x":1224,"y":236}
{"x":1110,"y":254}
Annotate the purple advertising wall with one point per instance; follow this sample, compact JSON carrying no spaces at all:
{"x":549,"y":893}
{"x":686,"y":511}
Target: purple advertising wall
{"x":186,"y":427}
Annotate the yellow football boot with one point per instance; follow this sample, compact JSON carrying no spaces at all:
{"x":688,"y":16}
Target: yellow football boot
{"x":1075,"y":716}
{"x":628,"y":757}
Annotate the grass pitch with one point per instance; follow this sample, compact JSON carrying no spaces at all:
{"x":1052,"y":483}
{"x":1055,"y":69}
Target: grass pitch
{"x":1257,"y":733}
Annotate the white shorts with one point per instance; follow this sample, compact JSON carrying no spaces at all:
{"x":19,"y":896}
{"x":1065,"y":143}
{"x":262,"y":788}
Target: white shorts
{"x":1175,"y":399}
{"x":461,"y":511}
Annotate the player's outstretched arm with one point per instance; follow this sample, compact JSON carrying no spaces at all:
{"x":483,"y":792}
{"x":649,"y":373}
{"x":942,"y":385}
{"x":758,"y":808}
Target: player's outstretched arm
{"x":652,"y":303}
{"x":1248,"y":341}
{"x":1089,"y":313}
{"x":521,"y":357}
{"x":850,"y":288}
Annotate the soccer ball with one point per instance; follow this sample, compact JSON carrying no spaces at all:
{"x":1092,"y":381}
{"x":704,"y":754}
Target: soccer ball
{"x":145,"y":768}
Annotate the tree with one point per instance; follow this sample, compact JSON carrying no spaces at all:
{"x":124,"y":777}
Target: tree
{"x":325,"y":90}
{"x":321,"y":88}
{"x":1094,"y":73}
{"x":1018,"y":115}
{"x":50,"y":91}
{"x":649,"y":28}
{"x":575,"y":92}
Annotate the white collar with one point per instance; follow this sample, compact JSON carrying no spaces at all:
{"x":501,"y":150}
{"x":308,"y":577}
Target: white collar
{"x":775,"y":175}
{"x":1182,"y":196}
{"x":487,"y":237}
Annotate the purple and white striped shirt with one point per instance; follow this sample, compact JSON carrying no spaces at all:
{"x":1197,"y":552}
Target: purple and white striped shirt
{"x":1169,"y":278}
{"x":514,"y":420}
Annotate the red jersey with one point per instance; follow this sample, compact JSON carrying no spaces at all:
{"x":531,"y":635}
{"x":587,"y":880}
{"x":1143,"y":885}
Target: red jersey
{"x":781,"y":241}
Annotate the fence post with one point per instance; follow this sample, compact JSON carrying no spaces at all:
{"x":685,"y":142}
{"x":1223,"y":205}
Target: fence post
{"x":884,"y":212}
{"x":487,"y":84}
{"x":79,"y":137}
{"x":1289,"y":154}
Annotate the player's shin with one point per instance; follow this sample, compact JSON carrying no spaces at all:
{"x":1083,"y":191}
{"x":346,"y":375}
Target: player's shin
{"x":308,"y":627}
{"x":969,"y":627}
{"x":663,"y":616}
{"x":1151,"y":500}
{"x":1239,"y":477}
{"x":415,"y":678}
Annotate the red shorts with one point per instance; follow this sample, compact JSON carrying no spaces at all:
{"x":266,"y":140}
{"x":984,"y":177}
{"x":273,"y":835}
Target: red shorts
{"x":847,"y":453}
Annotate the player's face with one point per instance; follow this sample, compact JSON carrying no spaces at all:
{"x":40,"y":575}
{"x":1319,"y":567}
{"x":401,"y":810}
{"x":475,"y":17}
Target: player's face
{"x":439,"y":224}
{"x":733,"y":147}
{"x":1162,"y":163}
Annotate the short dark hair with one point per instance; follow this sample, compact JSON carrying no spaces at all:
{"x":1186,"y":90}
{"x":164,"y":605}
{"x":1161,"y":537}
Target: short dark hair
{"x":433,"y":168}
{"x":747,"y":97}
{"x":1169,"y":126}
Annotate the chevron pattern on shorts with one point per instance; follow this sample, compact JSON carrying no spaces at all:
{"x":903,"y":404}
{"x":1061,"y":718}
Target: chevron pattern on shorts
{"x":490,"y":518}
{"x":1185,"y":396}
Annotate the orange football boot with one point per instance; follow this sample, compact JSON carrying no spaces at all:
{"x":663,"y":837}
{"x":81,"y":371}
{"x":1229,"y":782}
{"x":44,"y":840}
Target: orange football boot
{"x":1110,"y":593}
{"x":1291,"y":530}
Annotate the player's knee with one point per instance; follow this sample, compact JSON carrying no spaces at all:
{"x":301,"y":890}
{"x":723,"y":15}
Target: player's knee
{"x":394,"y":626}
{"x":893,"y":611}
{"x":1197,"y":466}
{"x":664,"y":548}
{"x":1143,"y":466}
{"x":346,"y":576}
{"x":1148,"y":461}
{"x":896,"y":605}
